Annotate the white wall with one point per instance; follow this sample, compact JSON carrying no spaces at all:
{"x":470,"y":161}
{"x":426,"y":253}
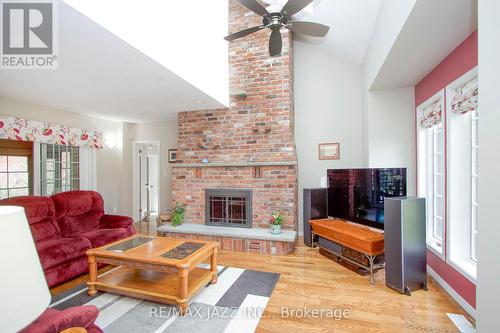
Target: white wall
{"x":327,"y":109}
{"x":387,"y":127}
{"x":166,"y":133}
{"x":126,"y":186}
{"x":391,"y":18}
{"x":391,"y":133}
{"x":110,"y":175}
{"x":488,"y":269}
{"x":374,"y":128}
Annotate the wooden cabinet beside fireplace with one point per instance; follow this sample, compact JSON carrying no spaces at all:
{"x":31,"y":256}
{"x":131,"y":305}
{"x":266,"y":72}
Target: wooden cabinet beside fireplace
{"x":358,"y":245}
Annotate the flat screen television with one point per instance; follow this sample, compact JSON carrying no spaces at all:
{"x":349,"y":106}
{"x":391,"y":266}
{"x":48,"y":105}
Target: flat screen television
{"x":357,"y":195}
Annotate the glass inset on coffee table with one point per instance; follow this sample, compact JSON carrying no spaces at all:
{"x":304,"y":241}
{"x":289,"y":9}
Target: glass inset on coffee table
{"x":183,"y":250}
{"x":130,"y":244}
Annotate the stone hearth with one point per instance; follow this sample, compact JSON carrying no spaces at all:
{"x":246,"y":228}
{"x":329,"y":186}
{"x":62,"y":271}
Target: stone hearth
{"x":254,"y":240}
{"x":249,"y":145}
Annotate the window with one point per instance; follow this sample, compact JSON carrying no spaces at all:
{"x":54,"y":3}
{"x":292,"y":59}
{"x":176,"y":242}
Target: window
{"x":15,"y":168}
{"x":431,"y":168}
{"x":474,"y":181}
{"x":59,"y":168}
{"x":463,"y":172}
{"x":14,"y":176}
{"x":436,"y":187}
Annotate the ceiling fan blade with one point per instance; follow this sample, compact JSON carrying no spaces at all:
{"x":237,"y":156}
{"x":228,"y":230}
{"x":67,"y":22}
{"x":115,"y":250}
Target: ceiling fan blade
{"x":275,"y":43}
{"x":308,"y":28}
{"x":254,"y":6}
{"x":243,"y":33}
{"x":292,"y":7}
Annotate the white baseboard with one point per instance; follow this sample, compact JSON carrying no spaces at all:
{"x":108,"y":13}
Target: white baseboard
{"x":466,"y":306}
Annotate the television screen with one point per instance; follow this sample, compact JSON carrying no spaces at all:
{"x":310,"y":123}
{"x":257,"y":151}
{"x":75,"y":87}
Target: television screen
{"x":357,"y":195}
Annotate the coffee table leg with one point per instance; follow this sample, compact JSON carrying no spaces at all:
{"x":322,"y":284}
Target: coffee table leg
{"x":213,"y":266}
{"x":183,"y":289}
{"x":92,"y":276}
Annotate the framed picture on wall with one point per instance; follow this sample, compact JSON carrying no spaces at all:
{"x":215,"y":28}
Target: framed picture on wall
{"x":172,"y":155}
{"x":329,"y":151}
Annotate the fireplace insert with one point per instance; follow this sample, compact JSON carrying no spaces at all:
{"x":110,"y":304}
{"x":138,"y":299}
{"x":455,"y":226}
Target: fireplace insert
{"x":228,"y":207}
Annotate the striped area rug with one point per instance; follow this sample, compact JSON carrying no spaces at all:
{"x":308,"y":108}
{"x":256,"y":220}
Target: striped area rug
{"x":234,"y":304}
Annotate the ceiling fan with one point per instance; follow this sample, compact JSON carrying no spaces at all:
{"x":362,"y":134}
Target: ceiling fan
{"x":275,"y":19}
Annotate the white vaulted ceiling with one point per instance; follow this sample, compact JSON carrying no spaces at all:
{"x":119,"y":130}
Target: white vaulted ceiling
{"x":351,"y":25}
{"x":111,"y":75}
{"x":432,"y":30}
{"x":146,"y":60}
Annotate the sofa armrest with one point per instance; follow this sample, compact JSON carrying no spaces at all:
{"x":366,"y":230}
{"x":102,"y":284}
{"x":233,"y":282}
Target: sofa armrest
{"x":115,"y":221}
{"x":56,"y":321}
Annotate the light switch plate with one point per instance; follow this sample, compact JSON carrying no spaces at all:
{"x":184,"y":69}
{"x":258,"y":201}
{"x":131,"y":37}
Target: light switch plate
{"x":323,"y":182}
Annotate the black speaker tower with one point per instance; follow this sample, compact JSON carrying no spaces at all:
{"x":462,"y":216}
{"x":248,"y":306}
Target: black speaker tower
{"x":315,"y":207}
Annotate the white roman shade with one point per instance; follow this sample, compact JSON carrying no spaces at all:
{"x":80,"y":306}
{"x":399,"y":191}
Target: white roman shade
{"x":431,"y":115}
{"x":465,"y":98}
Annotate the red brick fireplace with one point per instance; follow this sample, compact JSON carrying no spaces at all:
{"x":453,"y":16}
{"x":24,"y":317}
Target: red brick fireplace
{"x":249,"y":145}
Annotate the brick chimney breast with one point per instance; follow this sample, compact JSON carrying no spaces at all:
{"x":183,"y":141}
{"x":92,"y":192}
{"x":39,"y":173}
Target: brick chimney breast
{"x":257,"y":130}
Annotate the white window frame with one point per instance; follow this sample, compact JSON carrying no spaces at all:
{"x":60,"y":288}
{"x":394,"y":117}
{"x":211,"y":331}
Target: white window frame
{"x":474,"y":185}
{"x":65,"y":182}
{"x":88,"y":168}
{"x":462,"y":223}
{"x":427,"y":174}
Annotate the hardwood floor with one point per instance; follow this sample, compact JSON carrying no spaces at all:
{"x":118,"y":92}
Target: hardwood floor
{"x":310,"y":281}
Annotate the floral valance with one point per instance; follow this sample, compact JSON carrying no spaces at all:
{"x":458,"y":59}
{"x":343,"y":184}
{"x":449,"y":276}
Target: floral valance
{"x":431,"y":115}
{"x":465,"y":98}
{"x":14,"y":128}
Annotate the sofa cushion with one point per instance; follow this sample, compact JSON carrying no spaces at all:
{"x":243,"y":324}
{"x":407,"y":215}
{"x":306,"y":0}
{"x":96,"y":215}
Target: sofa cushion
{"x":58,"y":251}
{"x":40,"y":213}
{"x":102,"y":237}
{"x":115,"y":221}
{"x":55,"y":321}
{"x":66,"y":271}
{"x":78,"y":211}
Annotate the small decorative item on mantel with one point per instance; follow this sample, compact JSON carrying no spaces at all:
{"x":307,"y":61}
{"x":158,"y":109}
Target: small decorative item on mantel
{"x":172,"y":155}
{"x":329,"y":151}
{"x":178,"y":214}
{"x":276,"y":222}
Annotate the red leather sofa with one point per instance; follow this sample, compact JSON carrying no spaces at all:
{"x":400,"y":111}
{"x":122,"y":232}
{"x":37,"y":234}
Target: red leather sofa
{"x":65,"y":226}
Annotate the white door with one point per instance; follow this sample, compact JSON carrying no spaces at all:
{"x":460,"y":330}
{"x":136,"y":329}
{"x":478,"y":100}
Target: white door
{"x":146,"y":179}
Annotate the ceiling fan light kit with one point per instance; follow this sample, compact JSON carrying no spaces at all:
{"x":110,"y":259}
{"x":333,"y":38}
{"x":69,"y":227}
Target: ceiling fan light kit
{"x":273,"y":18}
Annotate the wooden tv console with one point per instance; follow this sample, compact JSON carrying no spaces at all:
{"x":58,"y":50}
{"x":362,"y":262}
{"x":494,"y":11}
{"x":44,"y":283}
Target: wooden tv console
{"x":357,"y":244}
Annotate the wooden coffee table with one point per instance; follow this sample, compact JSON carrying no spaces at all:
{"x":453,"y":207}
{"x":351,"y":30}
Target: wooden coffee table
{"x":158,"y":269}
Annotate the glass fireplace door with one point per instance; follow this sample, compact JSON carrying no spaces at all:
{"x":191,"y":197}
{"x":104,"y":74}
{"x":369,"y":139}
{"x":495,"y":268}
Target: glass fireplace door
{"x":229,"y":208}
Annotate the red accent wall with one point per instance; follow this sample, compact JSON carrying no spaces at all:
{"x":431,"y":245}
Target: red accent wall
{"x":458,"y":62}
